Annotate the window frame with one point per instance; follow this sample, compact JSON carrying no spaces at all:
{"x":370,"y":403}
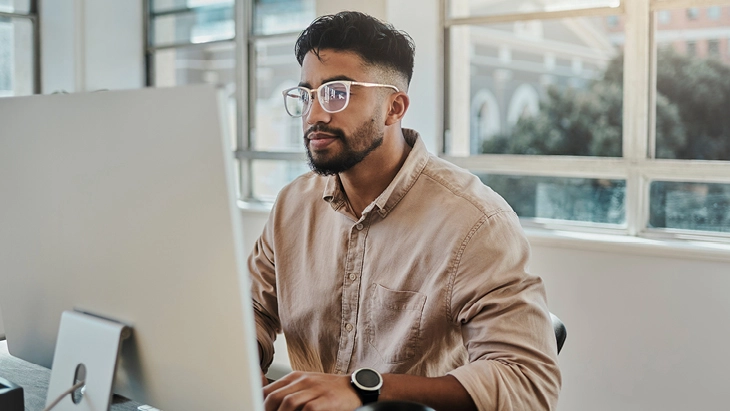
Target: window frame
{"x":638,"y":166}
{"x":33,"y":16}
{"x":245,"y":153}
{"x":244,"y":41}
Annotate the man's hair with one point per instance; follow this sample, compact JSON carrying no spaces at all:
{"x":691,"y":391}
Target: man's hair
{"x":376,"y":42}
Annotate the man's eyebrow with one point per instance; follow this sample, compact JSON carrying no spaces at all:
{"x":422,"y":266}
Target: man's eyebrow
{"x":327,"y":80}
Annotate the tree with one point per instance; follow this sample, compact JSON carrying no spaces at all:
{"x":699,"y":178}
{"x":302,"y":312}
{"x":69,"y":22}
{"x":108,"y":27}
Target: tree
{"x":692,"y":122}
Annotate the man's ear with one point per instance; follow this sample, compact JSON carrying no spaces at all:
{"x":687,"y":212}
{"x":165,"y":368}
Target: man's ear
{"x":398,"y":106}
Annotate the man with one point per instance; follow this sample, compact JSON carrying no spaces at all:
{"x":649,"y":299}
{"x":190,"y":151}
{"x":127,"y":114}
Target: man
{"x":388,"y":258}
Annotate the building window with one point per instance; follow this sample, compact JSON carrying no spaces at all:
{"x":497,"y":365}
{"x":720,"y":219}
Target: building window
{"x":691,"y":47}
{"x":248,"y":47}
{"x":693,"y":13}
{"x":713,"y":48}
{"x":19,"y":63}
{"x":586,"y":155}
{"x":664,"y":16}
{"x":714,"y":12}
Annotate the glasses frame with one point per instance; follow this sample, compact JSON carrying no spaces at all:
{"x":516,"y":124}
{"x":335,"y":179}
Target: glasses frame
{"x":312,"y":92}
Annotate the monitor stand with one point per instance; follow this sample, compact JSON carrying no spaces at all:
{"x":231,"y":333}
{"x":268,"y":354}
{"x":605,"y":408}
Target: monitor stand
{"x":87,"y":346}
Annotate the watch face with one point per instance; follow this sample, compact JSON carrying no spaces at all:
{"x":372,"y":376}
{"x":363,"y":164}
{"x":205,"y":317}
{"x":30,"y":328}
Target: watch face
{"x":368,"y":379}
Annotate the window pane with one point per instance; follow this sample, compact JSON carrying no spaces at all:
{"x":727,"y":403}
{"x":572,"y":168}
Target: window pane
{"x":282,"y":16}
{"x":212,"y":64}
{"x":15,"y":6}
{"x":276,"y":69}
{"x":690,"y":206}
{"x":693,"y":85}
{"x":549,"y":87}
{"x":199,"y":25}
{"x":560,"y":198}
{"x":269,"y":176}
{"x":169,"y":5}
{"x":468,"y":8}
{"x":16,"y":57}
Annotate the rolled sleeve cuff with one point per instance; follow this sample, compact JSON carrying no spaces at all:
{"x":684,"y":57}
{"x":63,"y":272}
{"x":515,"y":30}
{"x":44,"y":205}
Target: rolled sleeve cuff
{"x":267,"y":346}
{"x":494,"y":389}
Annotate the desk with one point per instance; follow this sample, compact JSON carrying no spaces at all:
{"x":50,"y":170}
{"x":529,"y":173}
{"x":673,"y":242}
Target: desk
{"x":34,"y":380}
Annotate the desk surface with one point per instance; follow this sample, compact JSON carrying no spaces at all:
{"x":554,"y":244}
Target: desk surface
{"x":34,"y":380}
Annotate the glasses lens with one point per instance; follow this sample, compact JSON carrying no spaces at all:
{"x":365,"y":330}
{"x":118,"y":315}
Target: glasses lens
{"x":333,"y":96}
{"x":296,"y":101}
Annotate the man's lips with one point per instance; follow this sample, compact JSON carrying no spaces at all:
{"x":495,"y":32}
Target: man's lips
{"x":319,"y":140}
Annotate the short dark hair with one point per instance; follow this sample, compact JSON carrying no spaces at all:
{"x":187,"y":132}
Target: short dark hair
{"x":376,"y":42}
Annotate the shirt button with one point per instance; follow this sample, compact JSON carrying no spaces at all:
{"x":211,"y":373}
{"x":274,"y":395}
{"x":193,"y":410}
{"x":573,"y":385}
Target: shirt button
{"x":348,"y":327}
{"x":359,"y":226}
{"x":352,"y":277}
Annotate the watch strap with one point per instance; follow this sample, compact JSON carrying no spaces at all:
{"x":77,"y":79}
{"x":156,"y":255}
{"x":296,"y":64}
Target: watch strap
{"x":367,"y":396}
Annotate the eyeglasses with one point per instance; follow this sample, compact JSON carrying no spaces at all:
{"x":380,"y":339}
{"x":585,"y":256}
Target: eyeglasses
{"x":333,"y":96}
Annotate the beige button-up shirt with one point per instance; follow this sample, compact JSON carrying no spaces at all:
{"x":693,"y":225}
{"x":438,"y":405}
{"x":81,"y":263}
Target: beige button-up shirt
{"x":430,"y":281}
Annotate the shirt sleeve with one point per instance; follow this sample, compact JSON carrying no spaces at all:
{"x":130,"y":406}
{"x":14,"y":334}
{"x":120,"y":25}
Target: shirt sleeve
{"x":504,"y":320}
{"x":263,"y":292}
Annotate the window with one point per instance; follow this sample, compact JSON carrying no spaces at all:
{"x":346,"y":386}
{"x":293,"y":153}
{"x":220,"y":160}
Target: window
{"x":713,"y":48}
{"x":201,"y":41}
{"x":693,"y":13}
{"x":550,"y":123}
{"x":714,"y":12}
{"x":664,"y":16}
{"x":192,"y":42}
{"x":19,"y":71}
{"x":691,"y":48}
{"x":274,"y":152}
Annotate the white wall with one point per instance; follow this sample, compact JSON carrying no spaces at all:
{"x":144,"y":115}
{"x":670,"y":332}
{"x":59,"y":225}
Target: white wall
{"x":420,"y":19}
{"x":644,"y":332}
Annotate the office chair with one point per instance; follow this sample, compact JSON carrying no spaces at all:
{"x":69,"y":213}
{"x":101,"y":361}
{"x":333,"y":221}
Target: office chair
{"x":561,"y":333}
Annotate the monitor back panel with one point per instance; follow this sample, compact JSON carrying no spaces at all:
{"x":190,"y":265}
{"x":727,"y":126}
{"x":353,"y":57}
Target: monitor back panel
{"x":122,"y":204}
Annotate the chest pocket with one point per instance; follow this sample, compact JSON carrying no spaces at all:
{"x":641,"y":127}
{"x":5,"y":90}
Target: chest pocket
{"x":394,"y":323}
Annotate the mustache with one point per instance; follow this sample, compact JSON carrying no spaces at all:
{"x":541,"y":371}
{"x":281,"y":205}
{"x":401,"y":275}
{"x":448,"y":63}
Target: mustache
{"x":319,"y":127}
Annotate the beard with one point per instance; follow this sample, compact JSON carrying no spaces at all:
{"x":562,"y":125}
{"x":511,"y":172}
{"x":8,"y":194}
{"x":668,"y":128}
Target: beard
{"x":355,"y":148}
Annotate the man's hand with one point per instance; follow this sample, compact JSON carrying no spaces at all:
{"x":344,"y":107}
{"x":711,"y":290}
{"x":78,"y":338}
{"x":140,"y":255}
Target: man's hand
{"x":308,"y":391}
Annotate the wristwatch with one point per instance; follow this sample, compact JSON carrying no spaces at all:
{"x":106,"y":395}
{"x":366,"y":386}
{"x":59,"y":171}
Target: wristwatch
{"x":367,"y":383}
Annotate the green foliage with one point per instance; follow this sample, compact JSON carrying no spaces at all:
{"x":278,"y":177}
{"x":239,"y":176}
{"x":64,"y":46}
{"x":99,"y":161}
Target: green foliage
{"x":692,"y":114}
{"x":700,"y":91}
{"x":570,"y":122}
{"x":692,"y":122}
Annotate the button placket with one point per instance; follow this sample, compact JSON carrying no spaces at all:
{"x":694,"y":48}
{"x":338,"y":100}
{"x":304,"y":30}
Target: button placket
{"x":351,"y":295}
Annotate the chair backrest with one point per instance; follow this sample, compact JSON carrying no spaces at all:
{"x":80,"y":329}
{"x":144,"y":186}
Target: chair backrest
{"x":561,"y":333}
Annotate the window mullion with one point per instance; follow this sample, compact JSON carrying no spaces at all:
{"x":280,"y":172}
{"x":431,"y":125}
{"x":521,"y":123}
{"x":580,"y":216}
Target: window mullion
{"x":666,"y":4}
{"x":686,"y":170}
{"x":243,"y":140}
{"x":548,"y":166}
{"x":636,"y":111}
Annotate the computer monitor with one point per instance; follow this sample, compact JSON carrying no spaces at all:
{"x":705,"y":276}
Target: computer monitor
{"x":122,"y":203}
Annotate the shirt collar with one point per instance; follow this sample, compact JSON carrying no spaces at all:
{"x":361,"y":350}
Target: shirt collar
{"x":397,"y":189}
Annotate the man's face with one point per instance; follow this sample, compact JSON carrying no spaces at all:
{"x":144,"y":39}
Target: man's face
{"x":337,"y":142}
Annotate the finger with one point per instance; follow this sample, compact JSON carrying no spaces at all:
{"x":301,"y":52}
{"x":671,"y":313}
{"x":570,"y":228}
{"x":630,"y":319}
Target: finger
{"x":282,"y":401}
{"x":282,"y":382}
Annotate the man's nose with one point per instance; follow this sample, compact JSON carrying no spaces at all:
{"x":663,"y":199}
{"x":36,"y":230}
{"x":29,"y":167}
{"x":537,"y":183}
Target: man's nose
{"x":317,"y":113}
